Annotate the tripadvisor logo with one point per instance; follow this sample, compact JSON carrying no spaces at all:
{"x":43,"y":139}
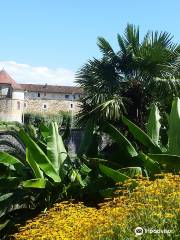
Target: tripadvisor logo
{"x":139,"y":231}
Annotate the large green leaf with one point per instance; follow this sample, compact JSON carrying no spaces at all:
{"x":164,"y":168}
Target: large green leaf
{"x":56,"y":151}
{"x":44,"y":130}
{"x":131,"y":171}
{"x":113,"y":174}
{"x":9,"y":160}
{"x":174,"y":128}
{"x":153,"y":125}
{"x":149,"y":164}
{"x":35,"y":183}
{"x":34,"y":166}
{"x":141,"y":136}
{"x":126,"y":148}
{"x":39,"y":156}
{"x":167,"y":160}
{"x":87,"y":138}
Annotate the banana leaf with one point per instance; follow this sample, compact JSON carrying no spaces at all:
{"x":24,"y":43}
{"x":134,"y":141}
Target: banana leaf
{"x":34,"y":166}
{"x":131,"y":171}
{"x":153,"y":125}
{"x":115,"y":175}
{"x":125,"y":147}
{"x":87,"y":138}
{"x":169,"y":161}
{"x":149,"y":164}
{"x":9,"y":160}
{"x":35,"y":183}
{"x":56,"y":151}
{"x":39,"y":157}
{"x":141,"y":136}
{"x":44,"y":130}
{"x":174,"y":128}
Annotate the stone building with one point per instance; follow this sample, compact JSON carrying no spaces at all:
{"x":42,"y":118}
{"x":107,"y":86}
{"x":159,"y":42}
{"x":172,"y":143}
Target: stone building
{"x":50,"y":98}
{"x":11,"y":98}
{"x":17,"y":99}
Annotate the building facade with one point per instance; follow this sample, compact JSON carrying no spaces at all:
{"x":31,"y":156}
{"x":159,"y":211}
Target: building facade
{"x":17,"y":99}
{"x":50,"y":98}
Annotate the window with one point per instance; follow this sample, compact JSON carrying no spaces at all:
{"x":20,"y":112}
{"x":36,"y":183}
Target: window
{"x":71,"y":106}
{"x":39,"y":94}
{"x":44,"y":93}
{"x":18,"y":105}
{"x":66,"y":96}
{"x":74,"y":96}
{"x":25,"y":105}
{"x":45,"y":106}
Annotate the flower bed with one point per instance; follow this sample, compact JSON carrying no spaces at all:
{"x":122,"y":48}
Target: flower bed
{"x":153,"y":205}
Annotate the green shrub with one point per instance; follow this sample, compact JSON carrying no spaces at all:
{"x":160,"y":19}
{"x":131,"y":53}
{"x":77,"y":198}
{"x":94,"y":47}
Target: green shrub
{"x":36,"y":119}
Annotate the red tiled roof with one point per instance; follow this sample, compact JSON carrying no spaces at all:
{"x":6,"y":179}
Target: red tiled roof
{"x":6,"y":79}
{"x":51,"y":88}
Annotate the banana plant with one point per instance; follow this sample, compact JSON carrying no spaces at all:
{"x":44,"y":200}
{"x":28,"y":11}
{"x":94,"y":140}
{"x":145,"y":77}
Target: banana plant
{"x":44,"y":176}
{"x":167,"y":156}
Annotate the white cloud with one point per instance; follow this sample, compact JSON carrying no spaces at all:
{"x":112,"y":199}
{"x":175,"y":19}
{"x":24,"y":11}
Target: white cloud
{"x":24,"y":73}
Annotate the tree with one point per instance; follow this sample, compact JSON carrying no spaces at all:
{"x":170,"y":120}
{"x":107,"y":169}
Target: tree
{"x":141,"y":71}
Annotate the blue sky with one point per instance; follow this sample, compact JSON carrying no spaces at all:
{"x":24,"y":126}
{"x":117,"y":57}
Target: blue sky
{"x":56,"y":37}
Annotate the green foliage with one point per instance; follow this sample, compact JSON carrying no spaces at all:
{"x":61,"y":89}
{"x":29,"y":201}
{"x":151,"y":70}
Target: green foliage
{"x":174,"y":128}
{"x":124,"y":145}
{"x":129,"y":79}
{"x":140,"y":135}
{"x":87,"y":138}
{"x":36,"y":119}
{"x":167,"y":156}
{"x":115,"y":175}
{"x":153,"y":125}
{"x":46,"y":175}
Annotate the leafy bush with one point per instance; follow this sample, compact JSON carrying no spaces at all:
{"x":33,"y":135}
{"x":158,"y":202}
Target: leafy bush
{"x":36,"y":119}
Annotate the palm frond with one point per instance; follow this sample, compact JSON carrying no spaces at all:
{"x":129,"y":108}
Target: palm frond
{"x":105,"y":47}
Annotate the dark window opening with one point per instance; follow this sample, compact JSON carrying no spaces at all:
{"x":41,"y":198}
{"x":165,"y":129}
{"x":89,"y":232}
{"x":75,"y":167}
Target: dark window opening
{"x":18,"y":105}
{"x":39,"y":94}
{"x":66,"y":96}
{"x":44,"y":106}
{"x":71,"y":105}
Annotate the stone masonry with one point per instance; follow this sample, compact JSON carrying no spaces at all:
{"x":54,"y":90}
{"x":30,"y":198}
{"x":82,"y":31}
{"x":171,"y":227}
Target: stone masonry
{"x":50,"y":106}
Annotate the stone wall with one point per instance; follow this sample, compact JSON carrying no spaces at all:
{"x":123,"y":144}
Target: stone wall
{"x":50,"y":106}
{"x":11,"y":109}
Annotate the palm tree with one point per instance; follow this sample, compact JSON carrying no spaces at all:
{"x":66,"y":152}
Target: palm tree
{"x":141,"y":71}
{"x":101,"y":83}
